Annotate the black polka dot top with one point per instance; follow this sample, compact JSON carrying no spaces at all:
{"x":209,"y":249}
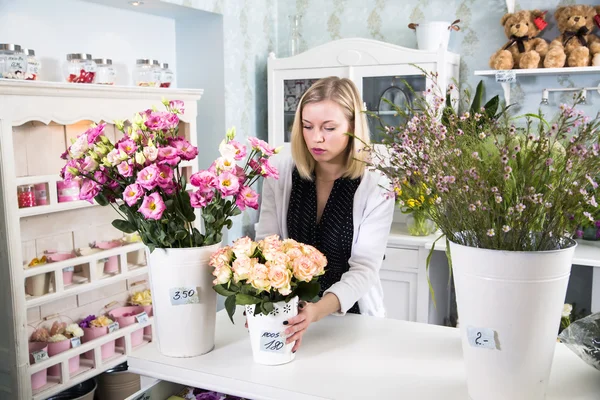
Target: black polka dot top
{"x":333,"y":234}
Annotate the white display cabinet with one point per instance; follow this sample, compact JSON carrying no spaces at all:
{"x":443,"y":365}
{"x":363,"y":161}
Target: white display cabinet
{"x":379,"y":70}
{"x":37,"y":121}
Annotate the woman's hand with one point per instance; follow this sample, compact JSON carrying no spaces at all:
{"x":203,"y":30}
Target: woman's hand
{"x":308,"y":313}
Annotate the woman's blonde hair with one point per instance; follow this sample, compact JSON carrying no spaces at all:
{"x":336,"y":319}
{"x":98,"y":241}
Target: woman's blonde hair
{"x":343,"y":92}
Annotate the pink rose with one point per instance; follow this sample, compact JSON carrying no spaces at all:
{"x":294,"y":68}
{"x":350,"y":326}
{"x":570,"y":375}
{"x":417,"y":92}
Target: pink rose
{"x":165,"y":176}
{"x":242,"y":268}
{"x":201,"y":198}
{"x":259,"y":278}
{"x":228,"y":184}
{"x":304,"y":269}
{"x":222,"y":274}
{"x":204,"y":179}
{"x":247,"y":198}
{"x":261,"y":145}
{"x":280,"y":278}
{"x":220,"y":257}
{"x":153,"y":206}
{"x":132,"y":194}
{"x":148,"y":177}
{"x":89,"y":190}
{"x":125,"y":169}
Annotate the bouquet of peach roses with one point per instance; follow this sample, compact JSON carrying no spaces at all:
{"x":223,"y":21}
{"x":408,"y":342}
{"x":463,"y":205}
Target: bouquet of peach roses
{"x":266,"y":272}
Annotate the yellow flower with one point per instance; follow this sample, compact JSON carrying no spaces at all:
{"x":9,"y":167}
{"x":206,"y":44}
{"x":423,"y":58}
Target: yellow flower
{"x":422,"y":198}
{"x":101,"y":321}
{"x":38,"y":261}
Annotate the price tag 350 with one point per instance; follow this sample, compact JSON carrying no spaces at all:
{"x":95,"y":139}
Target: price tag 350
{"x":184,"y":295}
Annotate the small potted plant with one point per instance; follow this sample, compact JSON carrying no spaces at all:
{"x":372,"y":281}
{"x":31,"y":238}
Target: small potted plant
{"x":59,"y":341}
{"x":95,"y":327}
{"x":268,"y":278}
{"x":38,"y":342}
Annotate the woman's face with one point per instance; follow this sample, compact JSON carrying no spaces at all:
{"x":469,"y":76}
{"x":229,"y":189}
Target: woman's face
{"x":324,"y":127}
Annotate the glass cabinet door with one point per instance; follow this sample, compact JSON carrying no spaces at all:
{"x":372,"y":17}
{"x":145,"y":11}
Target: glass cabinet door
{"x":382,"y":85}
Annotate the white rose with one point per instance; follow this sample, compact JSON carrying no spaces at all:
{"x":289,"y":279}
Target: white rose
{"x":80,"y":146}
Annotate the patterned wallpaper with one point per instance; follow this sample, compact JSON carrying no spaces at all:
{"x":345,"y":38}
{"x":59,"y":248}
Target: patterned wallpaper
{"x":253,"y":28}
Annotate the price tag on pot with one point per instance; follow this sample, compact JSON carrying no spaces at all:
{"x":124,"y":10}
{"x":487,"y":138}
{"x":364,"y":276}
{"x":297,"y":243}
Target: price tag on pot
{"x":69,"y":269}
{"x":113,"y":327}
{"x":184,"y":295}
{"x":272,"y":342}
{"x":75,"y":342}
{"x":507,"y":76}
{"x":39,"y":356}
{"x":142,"y":318}
{"x":481,"y":337}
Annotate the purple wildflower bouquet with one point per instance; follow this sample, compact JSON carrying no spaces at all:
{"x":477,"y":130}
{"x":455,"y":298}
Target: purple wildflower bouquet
{"x":519,"y":184}
{"x":140,"y":177}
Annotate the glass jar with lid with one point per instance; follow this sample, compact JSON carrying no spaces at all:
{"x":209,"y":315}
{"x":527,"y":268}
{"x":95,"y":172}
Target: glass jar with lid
{"x":33,"y":65}
{"x":13,"y":63}
{"x":106,"y":74}
{"x":80,"y":68}
{"x":166,"y":76}
{"x":146,"y":73}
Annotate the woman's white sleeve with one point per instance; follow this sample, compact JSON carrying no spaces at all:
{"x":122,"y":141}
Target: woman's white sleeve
{"x":268,"y":223}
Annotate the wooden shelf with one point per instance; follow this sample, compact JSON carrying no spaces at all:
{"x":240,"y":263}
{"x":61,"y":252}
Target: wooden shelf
{"x":544,"y":71}
{"x":53,"y":208}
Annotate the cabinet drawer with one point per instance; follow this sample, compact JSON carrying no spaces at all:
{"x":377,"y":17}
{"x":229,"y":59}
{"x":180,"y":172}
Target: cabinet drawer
{"x":398,"y":259}
{"x":158,"y":390}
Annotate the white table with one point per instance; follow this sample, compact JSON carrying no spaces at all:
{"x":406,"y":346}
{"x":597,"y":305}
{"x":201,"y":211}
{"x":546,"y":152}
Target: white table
{"x":352,"y":357}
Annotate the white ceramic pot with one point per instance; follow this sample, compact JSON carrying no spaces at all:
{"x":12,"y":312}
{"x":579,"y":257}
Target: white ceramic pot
{"x":184,"y":302}
{"x":433,"y":35}
{"x":267,"y":335}
{"x":509,"y":306}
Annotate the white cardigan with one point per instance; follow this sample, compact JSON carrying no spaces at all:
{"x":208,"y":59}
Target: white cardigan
{"x":372,"y":216}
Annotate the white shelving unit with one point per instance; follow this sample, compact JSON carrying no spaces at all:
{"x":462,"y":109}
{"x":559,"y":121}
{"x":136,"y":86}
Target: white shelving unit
{"x":37,"y":121}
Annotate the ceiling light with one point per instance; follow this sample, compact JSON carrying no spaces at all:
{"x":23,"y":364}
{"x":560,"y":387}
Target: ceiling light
{"x":136,"y":3}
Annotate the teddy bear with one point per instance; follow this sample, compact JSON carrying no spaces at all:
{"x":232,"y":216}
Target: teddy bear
{"x":577,"y":46}
{"x":524,"y":49}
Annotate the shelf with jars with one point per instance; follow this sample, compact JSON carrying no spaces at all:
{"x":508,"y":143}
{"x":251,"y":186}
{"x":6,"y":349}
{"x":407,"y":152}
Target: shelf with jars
{"x":78,"y":259}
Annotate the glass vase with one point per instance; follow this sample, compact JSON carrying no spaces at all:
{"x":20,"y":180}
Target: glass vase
{"x":419,"y":225}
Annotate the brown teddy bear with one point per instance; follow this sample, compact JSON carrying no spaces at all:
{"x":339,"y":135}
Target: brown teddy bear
{"x":524,"y":50}
{"x":577,"y":46}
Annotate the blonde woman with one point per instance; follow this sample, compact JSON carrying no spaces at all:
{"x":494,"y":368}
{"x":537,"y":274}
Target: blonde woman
{"x":326,"y":198}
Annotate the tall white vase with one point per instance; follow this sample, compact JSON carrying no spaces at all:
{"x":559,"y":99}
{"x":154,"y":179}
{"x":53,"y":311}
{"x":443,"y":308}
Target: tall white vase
{"x":267,"y":335}
{"x":509,"y":307}
{"x":184,"y":302}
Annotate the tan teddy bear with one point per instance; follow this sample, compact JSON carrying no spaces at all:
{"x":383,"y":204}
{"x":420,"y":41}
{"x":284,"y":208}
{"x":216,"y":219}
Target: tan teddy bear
{"x":524,"y":50}
{"x":577,"y":46}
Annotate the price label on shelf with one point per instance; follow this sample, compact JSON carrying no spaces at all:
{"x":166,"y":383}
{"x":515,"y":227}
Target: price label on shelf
{"x":184,"y":295}
{"x":508,"y":76}
{"x":142,"y":318}
{"x":481,"y":337}
{"x":272,"y":342}
{"x":113,"y":327}
{"x":75,"y":342}
{"x":69,"y":269}
{"x":39,"y":356}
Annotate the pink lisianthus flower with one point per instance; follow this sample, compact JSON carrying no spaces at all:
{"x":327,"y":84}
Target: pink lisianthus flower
{"x":262,"y":146}
{"x":148,"y":177}
{"x":228,"y":184}
{"x":240,"y":149}
{"x":168,"y":155}
{"x":112,"y":184}
{"x":239,"y":172}
{"x":204,"y":179}
{"x":89,"y":164}
{"x":100,"y":176}
{"x":70,"y":170}
{"x":247,"y":198}
{"x":177,"y":106}
{"x":127,"y":145}
{"x":94,"y":133}
{"x":201,"y":198}
{"x":165,"y":176}
{"x":153,"y":206}
{"x":225,"y":164}
{"x":184,"y":148}
{"x":132,"y":194}
{"x":125,"y":169}
{"x":89,"y":190}
{"x":264,"y":168}
{"x":170,"y":189}
{"x":151,"y":153}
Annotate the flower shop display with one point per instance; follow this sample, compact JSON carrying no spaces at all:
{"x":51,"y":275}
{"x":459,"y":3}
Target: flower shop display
{"x":126,"y":316}
{"x":268,"y":278}
{"x":64,"y":336}
{"x":95,"y":327}
{"x":143,"y":170}
{"x":55,"y":256}
{"x":583,"y":338}
{"x":111,"y":265}
{"x":510,"y":192}
{"x":36,"y":349}
{"x":37,"y":285}
{"x":413,"y":200}
{"x":143,"y":298}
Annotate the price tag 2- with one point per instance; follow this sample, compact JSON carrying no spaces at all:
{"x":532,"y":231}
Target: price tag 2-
{"x":75,"y":342}
{"x":142,"y":318}
{"x":39,"y":356}
{"x":273,"y":342}
{"x":113,"y":327}
{"x":184,"y":295}
{"x":508,"y":76}
{"x":481,"y":337}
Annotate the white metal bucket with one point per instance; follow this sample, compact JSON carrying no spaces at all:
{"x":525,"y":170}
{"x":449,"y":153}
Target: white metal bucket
{"x":433,"y":35}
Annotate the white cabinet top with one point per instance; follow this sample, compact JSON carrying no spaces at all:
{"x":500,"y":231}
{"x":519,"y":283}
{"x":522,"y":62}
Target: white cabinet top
{"x":352,"y":357}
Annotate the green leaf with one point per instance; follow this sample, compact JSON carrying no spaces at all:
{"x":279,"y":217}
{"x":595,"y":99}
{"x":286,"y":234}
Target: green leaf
{"x":181,"y":234}
{"x":188,"y":210}
{"x":230,"y":307}
{"x":222,"y":291}
{"x":307,"y":291}
{"x":491,"y":107}
{"x":477,"y":99}
{"x":229,"y":224}
{"x":244,"y":299}
{"x":101,"y":199}
{"x":124,"y":226}
{"x":267,"y":306}
{"x":427,"y":269}
{"x":236,"y":211}
{"x":208,"y":218}
{"x":170,"y":204}
{"x":183,"y":182}
{"x":151,"y":247}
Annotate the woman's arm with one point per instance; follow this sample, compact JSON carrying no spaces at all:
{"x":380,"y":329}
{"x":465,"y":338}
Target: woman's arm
{"x":268,"y":223}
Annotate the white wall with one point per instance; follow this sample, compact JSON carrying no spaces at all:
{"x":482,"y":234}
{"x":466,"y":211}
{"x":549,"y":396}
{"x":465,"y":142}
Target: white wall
{"x":54,"y":28}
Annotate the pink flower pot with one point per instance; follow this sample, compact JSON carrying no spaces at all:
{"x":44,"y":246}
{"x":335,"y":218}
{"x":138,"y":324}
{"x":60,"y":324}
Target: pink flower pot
{"x":112,"y":265}
{"x":107,"y":350}
{"x":40,"y":378}
{"x":68,"y":277}
{"x":55,"y":256}
{"x":57,"y":348}
{"x":118,"y":315}
{"x":111,"y":244}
